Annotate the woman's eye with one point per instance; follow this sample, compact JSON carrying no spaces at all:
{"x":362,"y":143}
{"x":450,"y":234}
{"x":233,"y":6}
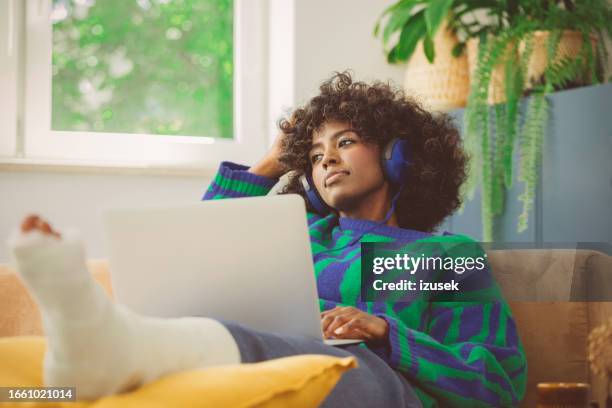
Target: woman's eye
{"x":315,"y":158}
{"x":346,"y":142}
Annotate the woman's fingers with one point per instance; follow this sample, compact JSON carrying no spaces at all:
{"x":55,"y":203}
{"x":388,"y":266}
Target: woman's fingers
{"x":335,"y":324}
{"x":355,"y":333}
{"x":350,"y":322}
{"x":355,"y":328}
{"x":328,"y":316}
{"x":331,"y":322}
{"x":335,"y":318}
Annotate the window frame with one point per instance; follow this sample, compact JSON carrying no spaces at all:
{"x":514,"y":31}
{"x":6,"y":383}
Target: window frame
{"x":8,"y":77}
{"x":138,"y":150}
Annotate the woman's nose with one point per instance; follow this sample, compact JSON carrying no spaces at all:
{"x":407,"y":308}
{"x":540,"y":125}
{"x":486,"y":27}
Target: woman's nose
{"x":330,"y":157}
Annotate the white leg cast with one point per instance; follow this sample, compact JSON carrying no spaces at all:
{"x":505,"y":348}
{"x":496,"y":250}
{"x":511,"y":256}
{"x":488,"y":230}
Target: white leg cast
{"x":96,"y":345}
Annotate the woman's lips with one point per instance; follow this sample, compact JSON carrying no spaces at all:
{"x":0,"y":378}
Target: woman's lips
{"x":335,"y":177}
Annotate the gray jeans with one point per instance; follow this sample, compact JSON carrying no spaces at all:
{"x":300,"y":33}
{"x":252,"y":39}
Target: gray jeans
{"x":372,"y":384}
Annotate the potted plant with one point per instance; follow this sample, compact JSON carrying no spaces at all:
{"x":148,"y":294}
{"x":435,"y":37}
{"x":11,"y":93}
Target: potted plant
{"x":516,"y":48}
{"x":419,"y":32}
{"x":527,"y":48}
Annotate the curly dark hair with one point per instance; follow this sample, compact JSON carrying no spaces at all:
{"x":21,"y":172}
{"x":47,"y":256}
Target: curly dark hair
{"x":380,"y":113}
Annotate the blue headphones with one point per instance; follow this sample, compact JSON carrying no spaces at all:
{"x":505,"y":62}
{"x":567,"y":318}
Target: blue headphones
{"x":395,"y":163}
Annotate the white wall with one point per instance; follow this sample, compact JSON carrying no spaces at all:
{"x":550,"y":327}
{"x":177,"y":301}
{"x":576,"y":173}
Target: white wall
{"x":330,"y":35}
{"x":310,"y":39}
{"x":337,"y":35}
{"x":78,"y":200}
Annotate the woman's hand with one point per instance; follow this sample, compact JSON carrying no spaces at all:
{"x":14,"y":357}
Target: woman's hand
{"x":269,"y":165}
{"x":351,"y":323}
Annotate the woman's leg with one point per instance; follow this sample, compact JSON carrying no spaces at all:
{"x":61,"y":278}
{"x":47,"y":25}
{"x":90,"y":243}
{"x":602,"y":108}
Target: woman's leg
{"x":96,"y":345}
{"x":372,"y":384}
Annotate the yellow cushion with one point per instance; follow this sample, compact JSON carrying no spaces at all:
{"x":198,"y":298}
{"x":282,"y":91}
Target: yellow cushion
{"x":299,"y":381}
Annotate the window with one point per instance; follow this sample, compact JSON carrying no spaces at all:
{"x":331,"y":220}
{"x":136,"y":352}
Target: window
{"x":141,"y":82}
{"x":154,"y":67}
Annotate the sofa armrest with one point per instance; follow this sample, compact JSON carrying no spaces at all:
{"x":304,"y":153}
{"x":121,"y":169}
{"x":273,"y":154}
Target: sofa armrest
{"x":20,"y":315}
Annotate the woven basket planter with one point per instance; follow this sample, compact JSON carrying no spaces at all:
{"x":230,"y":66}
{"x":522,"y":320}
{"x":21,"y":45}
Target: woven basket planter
{"x":569,"y":46}
{"x":443,"y":85}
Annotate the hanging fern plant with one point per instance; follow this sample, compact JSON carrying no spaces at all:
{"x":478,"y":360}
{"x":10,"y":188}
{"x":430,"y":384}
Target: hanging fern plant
{"x":491,"y":131}
{"x":508,"y":37}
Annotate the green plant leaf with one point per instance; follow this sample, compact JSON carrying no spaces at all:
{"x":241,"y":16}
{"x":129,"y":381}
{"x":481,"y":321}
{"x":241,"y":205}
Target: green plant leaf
{"x":458,"y":49}
{"x":435,"y":12}
{"x":392,"y":55}
{"x":532,"y":136}
{"x":487,"y":180}
{"x":410,"y":36}
{"x":384,"y":13}
{"x":428,"y":47}
{"x":399,"y":14}
{"x":396,"y":22}
{"x":498,"y":132}
{"x":399,"y":5}
{"x":602,"y":57}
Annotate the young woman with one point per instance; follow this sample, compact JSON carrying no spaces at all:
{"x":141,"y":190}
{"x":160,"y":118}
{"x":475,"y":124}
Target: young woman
{"x":373,"y":166}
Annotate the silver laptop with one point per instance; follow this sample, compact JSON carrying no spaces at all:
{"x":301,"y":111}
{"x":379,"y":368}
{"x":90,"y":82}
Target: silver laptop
{"x":245,"y":260}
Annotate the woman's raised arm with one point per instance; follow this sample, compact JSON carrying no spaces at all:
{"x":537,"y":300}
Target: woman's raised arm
{"x":270,"y":166}
{"x":235,"y":180}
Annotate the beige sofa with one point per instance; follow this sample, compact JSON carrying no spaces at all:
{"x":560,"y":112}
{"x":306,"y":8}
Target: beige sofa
{"x":553,"y":330}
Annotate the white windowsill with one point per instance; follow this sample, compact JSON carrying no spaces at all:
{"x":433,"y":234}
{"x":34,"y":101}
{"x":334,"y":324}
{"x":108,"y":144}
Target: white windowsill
{"x":9,"y":164}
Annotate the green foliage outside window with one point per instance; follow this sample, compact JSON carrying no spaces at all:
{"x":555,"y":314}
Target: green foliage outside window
{"x":143,"y":66}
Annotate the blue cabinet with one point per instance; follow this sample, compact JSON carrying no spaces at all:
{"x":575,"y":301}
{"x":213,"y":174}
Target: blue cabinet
{"x":574,"y":197}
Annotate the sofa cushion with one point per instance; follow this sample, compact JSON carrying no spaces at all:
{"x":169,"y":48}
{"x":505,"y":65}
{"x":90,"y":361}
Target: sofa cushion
{"x":298,"y":381}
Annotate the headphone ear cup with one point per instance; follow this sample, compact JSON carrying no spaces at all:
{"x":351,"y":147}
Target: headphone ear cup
{"x":313,"y":197}
{"x":396,"y":160}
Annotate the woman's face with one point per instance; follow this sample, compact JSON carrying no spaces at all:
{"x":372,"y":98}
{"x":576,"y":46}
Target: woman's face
{"x":346,"y":171}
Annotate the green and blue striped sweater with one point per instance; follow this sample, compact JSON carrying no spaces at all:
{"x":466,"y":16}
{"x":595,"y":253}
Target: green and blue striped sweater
{"x":464,"y":354}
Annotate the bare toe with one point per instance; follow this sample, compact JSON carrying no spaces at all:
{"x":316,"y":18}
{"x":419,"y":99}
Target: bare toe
{"x":29,"y":223}
{"x":34,"y":222}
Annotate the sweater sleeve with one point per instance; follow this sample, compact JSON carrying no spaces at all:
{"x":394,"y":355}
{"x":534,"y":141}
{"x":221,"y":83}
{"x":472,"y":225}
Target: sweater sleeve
{"x":466,"y":354}
{"x":233,"y":181}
